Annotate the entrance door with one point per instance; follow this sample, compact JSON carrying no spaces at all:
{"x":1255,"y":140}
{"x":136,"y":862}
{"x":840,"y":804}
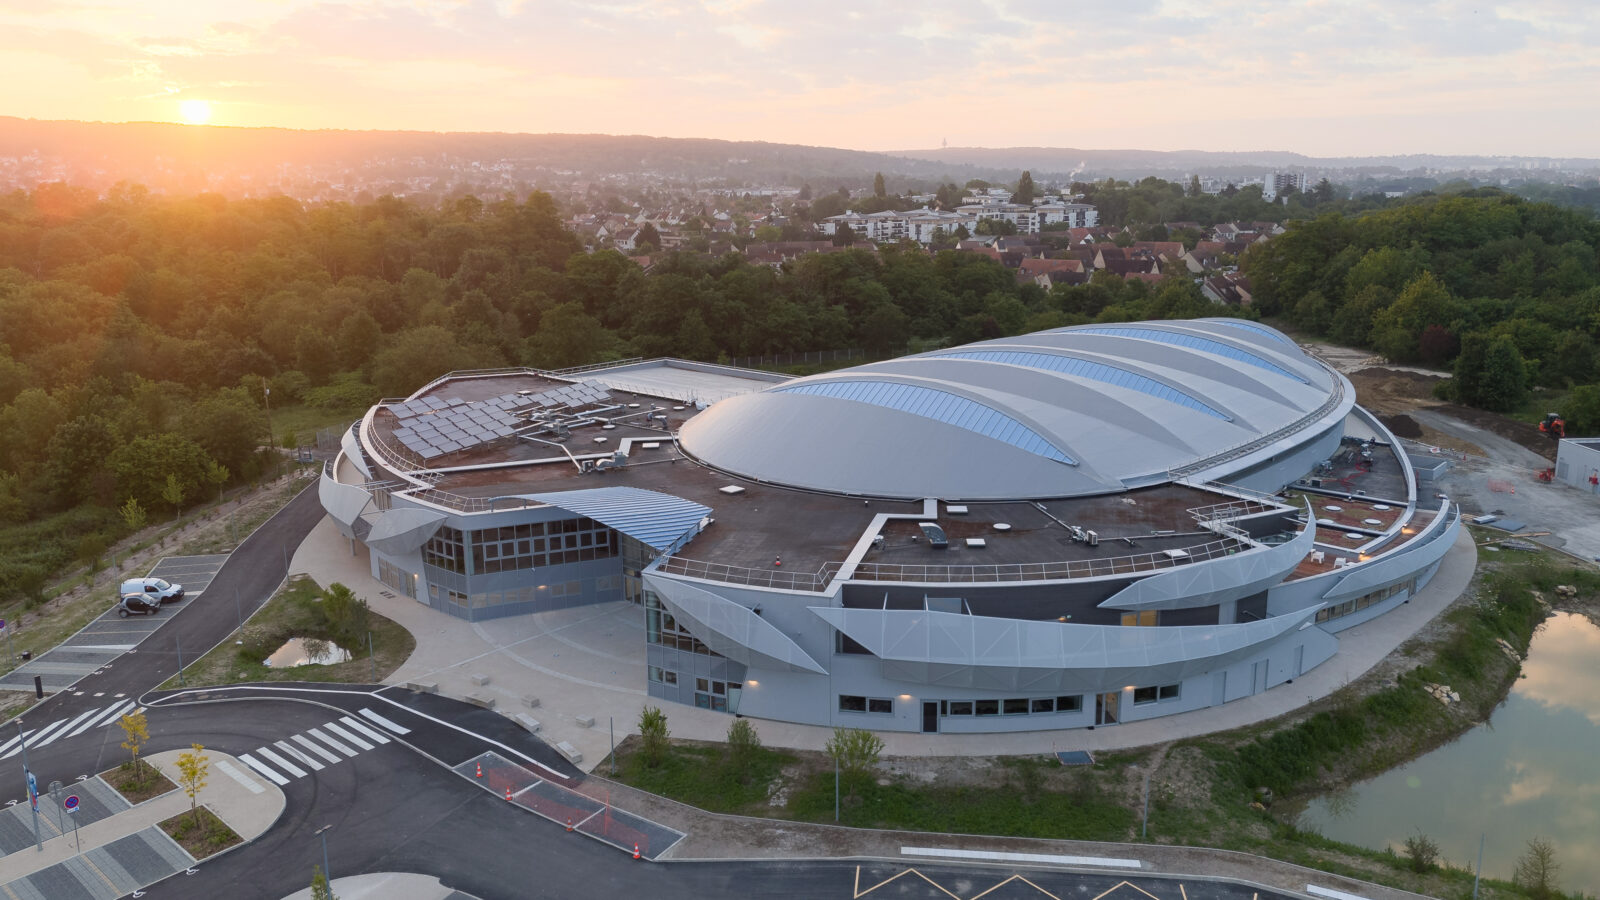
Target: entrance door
{"x":1299,"y":660}
{"x":1105,"y":708}
{"x":930,"y":716}
{"x":1258,"y":677}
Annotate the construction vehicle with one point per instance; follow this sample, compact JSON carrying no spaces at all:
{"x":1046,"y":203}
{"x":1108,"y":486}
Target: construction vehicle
{"x":1553,"y":427}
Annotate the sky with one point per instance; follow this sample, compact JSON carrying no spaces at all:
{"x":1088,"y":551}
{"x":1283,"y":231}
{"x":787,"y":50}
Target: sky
{"x":1321,"y":77}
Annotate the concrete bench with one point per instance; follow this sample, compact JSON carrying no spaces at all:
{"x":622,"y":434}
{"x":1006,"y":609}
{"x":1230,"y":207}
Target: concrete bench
{"x":423,"y":687}
{"x":480,"y":700}
{"x":480,"y":680}
{"x":529,"y":722}
{"x":585,"y":721}
{"x":570,"y":752}
{"x":530,"y":701}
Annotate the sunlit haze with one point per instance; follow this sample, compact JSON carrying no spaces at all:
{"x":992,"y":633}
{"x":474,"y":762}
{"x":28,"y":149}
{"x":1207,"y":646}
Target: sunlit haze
{"x":1317,"y":76}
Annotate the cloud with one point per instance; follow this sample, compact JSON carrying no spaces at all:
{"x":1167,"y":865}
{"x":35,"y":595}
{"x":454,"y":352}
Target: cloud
{"x":1320,"y":76}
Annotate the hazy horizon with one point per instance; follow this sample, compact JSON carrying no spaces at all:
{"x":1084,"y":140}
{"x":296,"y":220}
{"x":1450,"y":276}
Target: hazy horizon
{"x":1316,"y":77}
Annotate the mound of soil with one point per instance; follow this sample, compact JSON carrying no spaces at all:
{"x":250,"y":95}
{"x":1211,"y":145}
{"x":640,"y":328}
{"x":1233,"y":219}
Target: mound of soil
{"x":1523,"y":433}
{"x":1392,"y":390}
{"x":1403,"y":426}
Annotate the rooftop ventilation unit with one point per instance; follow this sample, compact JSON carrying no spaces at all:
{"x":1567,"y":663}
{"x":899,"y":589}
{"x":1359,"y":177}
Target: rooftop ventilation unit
{"x":935,"y":534}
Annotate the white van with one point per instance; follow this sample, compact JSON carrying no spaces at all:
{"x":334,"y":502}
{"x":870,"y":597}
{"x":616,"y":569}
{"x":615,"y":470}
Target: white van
{"x":153,"y":588}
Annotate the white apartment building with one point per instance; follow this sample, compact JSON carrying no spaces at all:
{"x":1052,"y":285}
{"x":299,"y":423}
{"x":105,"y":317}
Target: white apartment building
{"x":921,"y":225}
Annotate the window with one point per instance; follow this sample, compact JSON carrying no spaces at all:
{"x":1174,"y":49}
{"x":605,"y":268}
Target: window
{"x":960,"y":707}
{"x":878,"y":705}
{"x":661,"y":628}
{"x":1070,"y":704}
{"x":1153,"y":694}
{"x":1147,"y":618}
{"x":1043,"y":706}
{"x":444,"y":550}
{"x":711,"y":694}
{"x":1016,"y":707}
{"x":988,"y":707}
{"x":663,"y":676}
{"x":533,"y":545}
{"x":1365,"y":600}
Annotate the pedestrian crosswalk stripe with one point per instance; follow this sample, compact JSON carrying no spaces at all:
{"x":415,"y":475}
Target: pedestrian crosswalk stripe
{"x":267,"y":754}
{"x":8,"y":745}
{"x":62,"y":732}
{"x":397,"y":729}
{"x":236,"y":775}
{"x":284,"y":746}
{"x":347,"y":736}
{"x":105,"y":717}
{"x":363,"y":729}
{"x":47,"y":729}
{"x":266,"y":771}
{"x":330,"y":742}
{"x":314,"y":747}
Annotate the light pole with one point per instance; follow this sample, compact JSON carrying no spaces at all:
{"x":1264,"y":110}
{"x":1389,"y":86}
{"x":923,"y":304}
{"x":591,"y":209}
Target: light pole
{"x":328,"y":876}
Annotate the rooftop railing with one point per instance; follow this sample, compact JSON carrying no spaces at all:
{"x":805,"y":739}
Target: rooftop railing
{"x":1335,"y":397}
{"x":1049,"y":571}
{"x":788,"y":580}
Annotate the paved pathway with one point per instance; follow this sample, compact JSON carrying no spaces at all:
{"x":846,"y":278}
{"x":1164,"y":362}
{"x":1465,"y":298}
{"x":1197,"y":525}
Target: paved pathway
{"x":118,"y":848}
{"x":587,"y":663}
{"x":387,"y":885}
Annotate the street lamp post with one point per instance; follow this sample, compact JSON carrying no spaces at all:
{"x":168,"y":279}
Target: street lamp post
{"x":326,"y":874}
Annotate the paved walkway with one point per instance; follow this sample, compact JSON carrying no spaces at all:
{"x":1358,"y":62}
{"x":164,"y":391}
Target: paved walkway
{"x":126,"y":850}
{"x":589,"y":662}
{"x":387,"y":885}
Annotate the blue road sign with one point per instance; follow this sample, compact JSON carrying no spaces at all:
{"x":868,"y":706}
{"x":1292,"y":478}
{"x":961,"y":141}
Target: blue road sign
{"x":70,"y":804}
{"x":33,"y":790}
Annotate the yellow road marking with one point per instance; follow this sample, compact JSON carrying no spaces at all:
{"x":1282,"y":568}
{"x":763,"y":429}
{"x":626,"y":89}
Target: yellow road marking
{"x":1016,"y":878}
{"x":938,"y":887}
{"x":1182,"y":891}
{"x":1141,"y":890}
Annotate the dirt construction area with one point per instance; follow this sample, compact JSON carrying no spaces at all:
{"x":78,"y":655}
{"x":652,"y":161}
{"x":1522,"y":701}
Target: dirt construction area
{"x":1495,"y":460}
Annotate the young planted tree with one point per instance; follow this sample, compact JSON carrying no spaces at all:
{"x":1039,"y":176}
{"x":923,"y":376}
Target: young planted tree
{"x":1537,"y":868}
{"x":193,"y":769}
{"x":136,"y":732}
{"x":173,"y":493}
{"x":133,"y":515}
{"x":320,"y":889}
{"x":743,"y":745}
{"x":345,"y":613}
{"x":855,"y":751}
{"x":653,"y":735}
{"x":217,"y":474}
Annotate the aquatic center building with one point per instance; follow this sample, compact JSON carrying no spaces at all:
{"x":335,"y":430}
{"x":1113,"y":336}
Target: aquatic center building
{"x":1072,"y":528}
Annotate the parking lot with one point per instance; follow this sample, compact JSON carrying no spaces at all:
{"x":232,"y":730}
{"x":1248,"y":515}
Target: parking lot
{"x":109,"y":636}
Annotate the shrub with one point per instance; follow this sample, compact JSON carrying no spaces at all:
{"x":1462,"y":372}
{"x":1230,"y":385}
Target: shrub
{"x":743,"y":745}
{"x":1537,"y":868}
{"x":855,"y":750}
{"x":653,"y":735}
{"x":1422,"y":852}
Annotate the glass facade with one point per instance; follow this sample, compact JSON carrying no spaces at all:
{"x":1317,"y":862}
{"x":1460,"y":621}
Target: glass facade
{"x":661,"y":628}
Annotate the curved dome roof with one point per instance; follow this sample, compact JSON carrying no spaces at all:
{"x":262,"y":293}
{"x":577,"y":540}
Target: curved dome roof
{"x":1082,"y":410}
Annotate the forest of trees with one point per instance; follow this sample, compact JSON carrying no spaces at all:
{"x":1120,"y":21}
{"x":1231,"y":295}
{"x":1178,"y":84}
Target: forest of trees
{"x":1504,"y":291}
{"x":139,"y":334}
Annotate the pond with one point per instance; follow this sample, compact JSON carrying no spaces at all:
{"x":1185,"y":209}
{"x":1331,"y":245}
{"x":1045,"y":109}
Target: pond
{"x":1530,"y":771}
{"x":299,"y":652}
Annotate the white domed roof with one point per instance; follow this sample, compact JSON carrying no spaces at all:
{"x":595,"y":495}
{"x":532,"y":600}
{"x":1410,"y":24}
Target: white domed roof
{"x":1083,"y":410}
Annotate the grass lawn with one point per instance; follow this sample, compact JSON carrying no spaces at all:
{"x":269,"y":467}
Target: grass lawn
{"x":303,"y":420}
{"x":210,"y":835}
{"x":138,"y":786}
{"x":296,"y":612}
{"x":704,"y":772}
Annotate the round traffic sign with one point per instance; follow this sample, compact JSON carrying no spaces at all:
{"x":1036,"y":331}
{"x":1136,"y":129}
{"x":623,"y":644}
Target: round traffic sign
{"x":71,"y":803}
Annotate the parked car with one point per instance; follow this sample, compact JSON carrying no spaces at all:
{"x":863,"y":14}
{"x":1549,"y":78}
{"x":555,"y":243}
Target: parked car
{"x":160,"y":589}
{"x":138,"y":605}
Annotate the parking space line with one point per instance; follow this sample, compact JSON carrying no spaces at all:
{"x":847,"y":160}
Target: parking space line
{"x":304,"y":759}
{"x":280,"y":762}
{"x":397,"y":729}
{"x":262,"y":768}
{"x":331,"y":742}
{"x":314,"y":747}
{"x":347,"y":736}
{"x":362,"y":729}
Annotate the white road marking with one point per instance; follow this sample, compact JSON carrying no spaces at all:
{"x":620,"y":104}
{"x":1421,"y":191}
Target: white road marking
{"x":362,"y":729}
{"x":115,"y":712}
{"x":8,"y":745}
{"x":397,"y":729}
{"x":304,"y":759}
{"x":280,"y":762}
{"x":330,"y":742}
{"x":236,"y":775}
{"x":83,"y":718}
{"x":1330,"y":892}
{"x":47,"y":729}
{"x":263,"y":768}
{"x":315,"y":747}
{"x":347,"y":736}
{"x":1025,"y":857}
{"x":18,"y":748}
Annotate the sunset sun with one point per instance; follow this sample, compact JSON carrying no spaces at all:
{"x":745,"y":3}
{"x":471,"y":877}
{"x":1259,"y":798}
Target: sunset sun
{"x":195,"y":112}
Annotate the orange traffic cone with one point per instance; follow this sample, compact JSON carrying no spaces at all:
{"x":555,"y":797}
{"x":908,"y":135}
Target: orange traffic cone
{"x":777,"y":562}
{"x":508,"y":793}
{"x":569,"y":823}
{"x":635,"y":851}
{"x":480,"y":770}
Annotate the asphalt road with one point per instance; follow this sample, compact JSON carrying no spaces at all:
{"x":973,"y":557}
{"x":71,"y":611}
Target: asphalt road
{"x":254,"y":571}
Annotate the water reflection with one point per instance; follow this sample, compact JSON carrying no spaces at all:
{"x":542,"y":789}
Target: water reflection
{"x":1530,"y":772}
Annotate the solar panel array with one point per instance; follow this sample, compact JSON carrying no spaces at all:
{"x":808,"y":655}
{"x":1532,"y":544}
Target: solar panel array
{"x":432,"y":427}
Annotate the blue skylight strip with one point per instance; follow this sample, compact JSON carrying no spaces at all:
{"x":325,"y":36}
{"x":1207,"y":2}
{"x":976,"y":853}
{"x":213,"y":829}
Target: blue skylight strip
{"x":1192,"y":341}
{"x":1250,"y":326}
{"x":1093,"y":371}
{"x":940,"y":406}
